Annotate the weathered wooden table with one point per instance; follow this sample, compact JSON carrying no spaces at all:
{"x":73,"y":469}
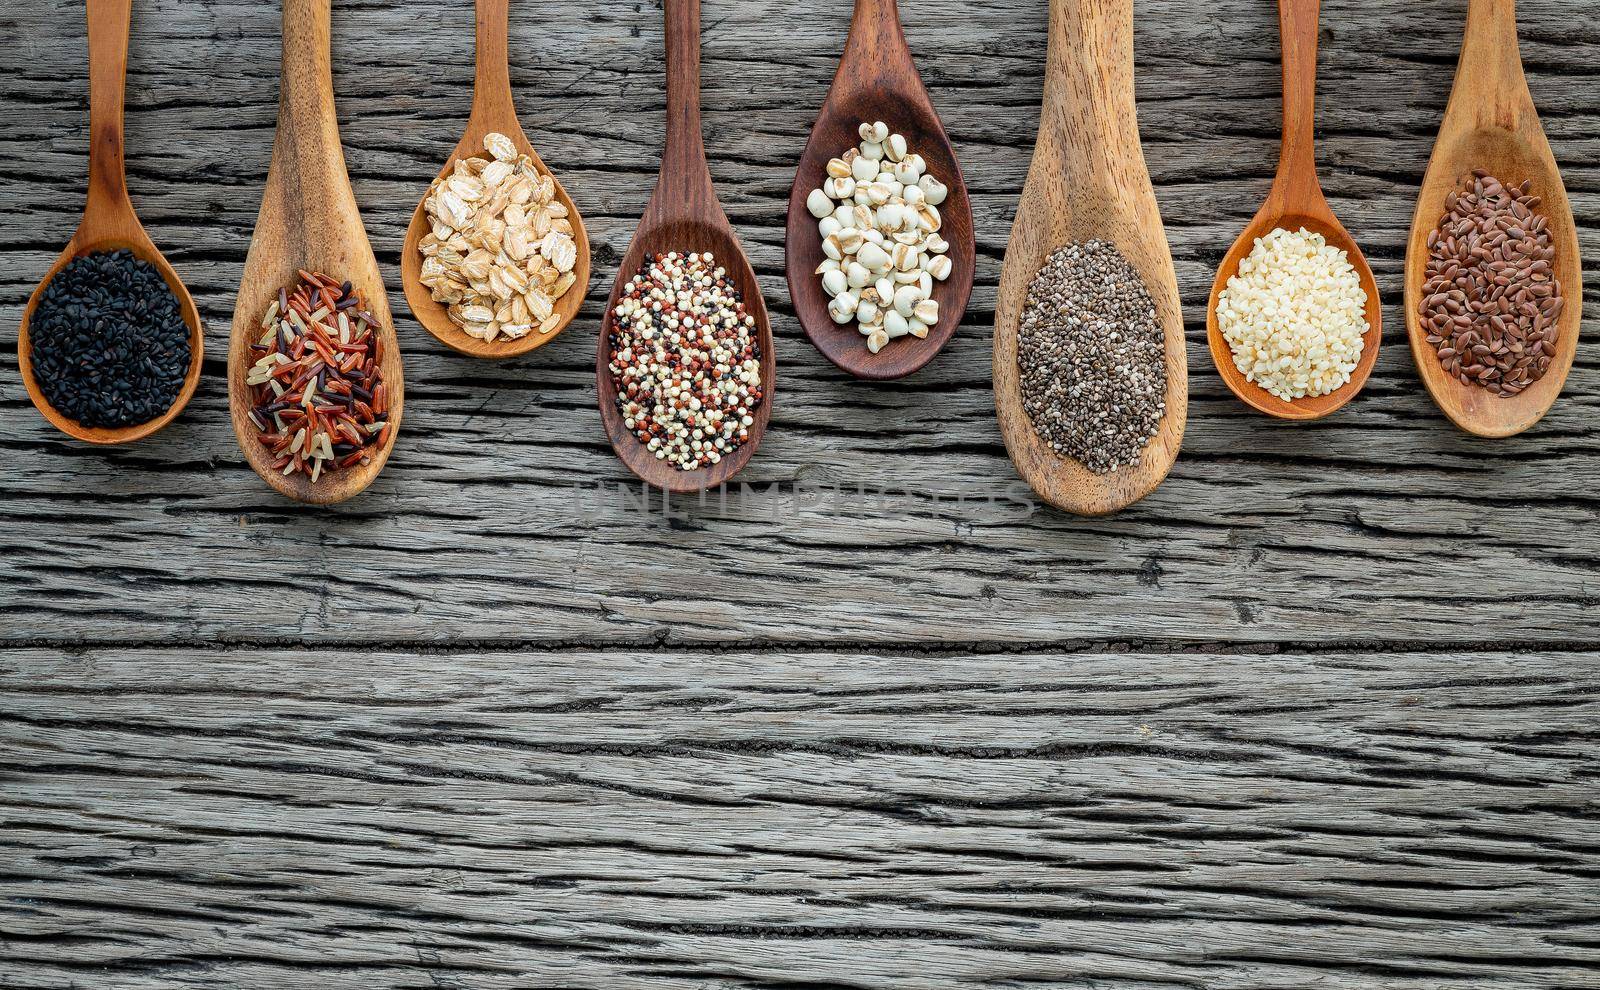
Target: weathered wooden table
{"x":1319,"y":712}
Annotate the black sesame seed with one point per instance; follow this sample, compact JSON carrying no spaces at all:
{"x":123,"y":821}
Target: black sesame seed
{"x":107,"y":341}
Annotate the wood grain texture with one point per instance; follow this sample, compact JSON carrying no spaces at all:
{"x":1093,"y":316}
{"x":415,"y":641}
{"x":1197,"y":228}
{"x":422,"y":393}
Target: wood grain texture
{"x":493,"y":112}
{"x":259,"y":819}
{"x":1296,"y":202}
{"x":1491,"y":123}
{"x":309,"y":221}
{"x":877,"y":80}
{"x":684,"y":216}
{"x":1383,"y":523}
{"x":1088,"y":181}
{"x":109,"y":223}
{"x":1318,"y":712}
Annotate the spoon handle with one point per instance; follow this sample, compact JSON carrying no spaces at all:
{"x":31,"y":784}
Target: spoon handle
{"x":1297,"y":25}
{"x":1489,"y":50}
{"x":684,"y":187}
{"x":491,"y":82}
{"x":876,"y":45}
{"x":307,"y":145}
{"x":683,"y":164}
{"x":876,"y":11}
{"x":108,"y":68}
{"x":1088,"y":116}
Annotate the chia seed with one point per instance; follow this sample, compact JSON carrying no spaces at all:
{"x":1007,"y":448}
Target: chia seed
{"x":108,"y":342}
{"x":1091,"y":357}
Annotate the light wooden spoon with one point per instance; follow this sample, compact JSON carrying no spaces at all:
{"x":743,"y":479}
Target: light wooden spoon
{"x":1296,"y":201}
{"x":308,"y":220}
{"x":1088,"y":181}
{"x":109,"y":224}
{"x":492,"y":111}
{"x":683,"y":215}
{"x":1491,"y":123}
{"x":877,"y":80}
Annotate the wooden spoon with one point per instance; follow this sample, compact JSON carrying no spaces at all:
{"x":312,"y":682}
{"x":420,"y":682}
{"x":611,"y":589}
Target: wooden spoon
{"x":877,"y":80}
{"x":492,"y":111}
{"x":1491,"y":123}
{"x":308,"y":220}
{"x":109,"y":223}
{"x":683,"y":215}
{"x":1088,"y":181}
{"x":1296,"y":201}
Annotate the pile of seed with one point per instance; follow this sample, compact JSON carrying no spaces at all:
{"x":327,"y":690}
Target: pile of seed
{"x":685,"y":360}
{"x":318,"y":396}
{"x":107,"y":341}
{"x":1295,"y":315}
{"x":878,"y":216}
{"x":1492,"y":304}
{"x":1091,"y":356}
{"x":501,"y":250}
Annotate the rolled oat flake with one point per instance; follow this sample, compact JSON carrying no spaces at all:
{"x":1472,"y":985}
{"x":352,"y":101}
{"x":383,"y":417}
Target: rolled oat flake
{"x":1091,"y":357}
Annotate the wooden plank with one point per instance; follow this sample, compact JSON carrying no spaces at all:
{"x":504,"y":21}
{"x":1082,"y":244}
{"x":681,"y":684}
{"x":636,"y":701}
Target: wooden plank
{"x":1381,"y":525}
{"x":268,"y":818}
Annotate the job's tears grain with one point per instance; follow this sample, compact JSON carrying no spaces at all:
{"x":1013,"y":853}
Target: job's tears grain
{"x":878,"y":216}
{"x":108,"y":343}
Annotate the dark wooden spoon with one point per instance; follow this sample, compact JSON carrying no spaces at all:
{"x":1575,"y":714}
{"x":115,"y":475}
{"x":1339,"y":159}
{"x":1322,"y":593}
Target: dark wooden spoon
{"x":877,"y":80}
{"x":110,"y":224}
{"x":684,"y":216}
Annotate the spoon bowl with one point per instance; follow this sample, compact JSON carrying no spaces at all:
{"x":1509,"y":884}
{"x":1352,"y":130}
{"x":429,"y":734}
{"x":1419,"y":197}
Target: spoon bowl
{"x":492,"y":112}
{"x":877,"y":80}
{"x":683,"y":215}
{"x":308,"y":221}
{"x":1491,"y":123}
{"x":110,"y":224}
{"x":1294,"y":202}
{"x":1088,"y":181}
{"x":684,"y":235}
{"x":1318,"y":221}
{"x":144,"y":250}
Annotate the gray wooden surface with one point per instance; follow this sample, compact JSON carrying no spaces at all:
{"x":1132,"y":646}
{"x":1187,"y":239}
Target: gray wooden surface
{"x":1321,"y":712}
